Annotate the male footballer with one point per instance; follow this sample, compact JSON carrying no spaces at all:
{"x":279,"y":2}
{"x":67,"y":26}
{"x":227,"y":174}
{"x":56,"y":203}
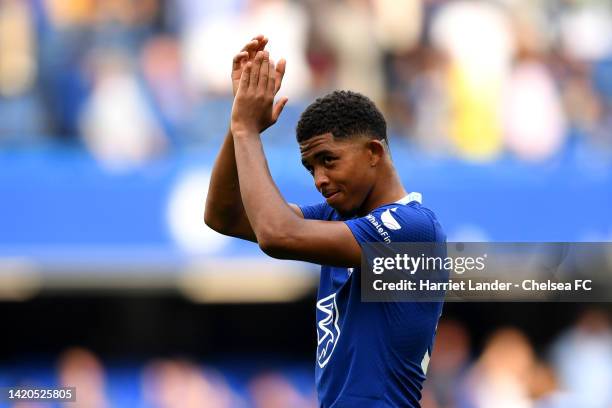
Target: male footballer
{"x":368,"y":354}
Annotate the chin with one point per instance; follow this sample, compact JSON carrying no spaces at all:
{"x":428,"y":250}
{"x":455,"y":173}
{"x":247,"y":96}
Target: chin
{"x":345,"y":211}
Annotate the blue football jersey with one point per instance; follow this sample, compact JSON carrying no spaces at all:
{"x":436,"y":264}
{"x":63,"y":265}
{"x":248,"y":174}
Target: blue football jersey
{"x":373,"y":354}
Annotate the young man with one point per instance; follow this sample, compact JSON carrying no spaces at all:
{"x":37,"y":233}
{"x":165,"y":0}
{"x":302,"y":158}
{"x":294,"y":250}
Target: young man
{"x":368,"y":354}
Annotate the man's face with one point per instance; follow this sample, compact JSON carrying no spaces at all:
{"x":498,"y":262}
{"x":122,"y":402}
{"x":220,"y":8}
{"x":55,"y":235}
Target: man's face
{"x":341,"y":170}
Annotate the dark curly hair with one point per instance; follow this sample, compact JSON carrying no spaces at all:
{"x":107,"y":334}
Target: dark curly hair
{"x":343,"y":114}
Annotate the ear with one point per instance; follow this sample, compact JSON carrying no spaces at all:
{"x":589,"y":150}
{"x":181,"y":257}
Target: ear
{"x":376,"y":151}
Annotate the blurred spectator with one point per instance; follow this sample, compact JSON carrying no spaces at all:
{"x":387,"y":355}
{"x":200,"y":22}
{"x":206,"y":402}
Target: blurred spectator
{"x":420,"y":100}
{"x":583,"y":358}
{"x":210,"y":43}
{"x":586,"y":29}
{"x":500,"y":376}
{"x":544,"y":389}
{"x":117,"y":122}
{"x":19,"y":98}
{"x":65,"y":14}
{"x":17,"y":48}
{"x":506,"y":374}
{"x":319,"y":52}
{"x":397,"y":24}
{"x":65,"y":38}
{"x":350,"y":31}
{"x":533,"y":119}
{"x":285,"y":23}
{"x":80,"y":368}
{"x":478,"y":39}
{"x":190,"y":14}
{"x":161,"y":65}
{"x":273,"y":390}
{"x":180,"y":384}
{"x":449,"y":362}
{"x":585,"y":109}
{"x":471,"y":79}
{"x":210,"y":36}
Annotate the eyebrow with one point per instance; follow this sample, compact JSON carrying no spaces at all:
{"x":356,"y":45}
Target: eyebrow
{"x":317,"y":155}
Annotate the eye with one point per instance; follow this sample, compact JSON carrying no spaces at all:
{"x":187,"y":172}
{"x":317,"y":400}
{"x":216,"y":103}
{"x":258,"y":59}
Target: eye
{"x":328,"y":160}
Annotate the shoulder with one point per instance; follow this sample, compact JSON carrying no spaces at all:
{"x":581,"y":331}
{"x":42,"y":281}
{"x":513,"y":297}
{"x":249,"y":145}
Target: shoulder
{"x":398,"y":222}
{"x":408,"y":220}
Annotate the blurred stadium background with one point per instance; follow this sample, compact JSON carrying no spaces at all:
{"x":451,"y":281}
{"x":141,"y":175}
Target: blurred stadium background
{"x":111,"y":113}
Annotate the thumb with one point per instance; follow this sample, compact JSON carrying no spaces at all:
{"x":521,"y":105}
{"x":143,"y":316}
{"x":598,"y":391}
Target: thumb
{"x":278,"y":108}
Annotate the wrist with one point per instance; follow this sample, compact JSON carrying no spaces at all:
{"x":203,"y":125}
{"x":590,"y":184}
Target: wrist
{"x":244,"y":133}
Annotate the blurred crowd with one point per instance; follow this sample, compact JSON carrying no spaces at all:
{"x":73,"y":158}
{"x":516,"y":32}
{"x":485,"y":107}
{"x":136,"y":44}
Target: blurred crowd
{"x":132,"y":80}
{"x":574,"y":371}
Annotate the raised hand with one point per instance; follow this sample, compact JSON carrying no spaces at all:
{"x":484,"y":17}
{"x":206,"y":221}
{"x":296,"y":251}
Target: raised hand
{"x":248,"y":52}
{"x":254,"y":110}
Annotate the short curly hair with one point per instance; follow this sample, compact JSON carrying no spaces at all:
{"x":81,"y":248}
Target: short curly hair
{"x":344,"y":114}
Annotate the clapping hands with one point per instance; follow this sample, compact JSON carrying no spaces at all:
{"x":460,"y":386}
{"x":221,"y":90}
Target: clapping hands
{"x":255,"y":81}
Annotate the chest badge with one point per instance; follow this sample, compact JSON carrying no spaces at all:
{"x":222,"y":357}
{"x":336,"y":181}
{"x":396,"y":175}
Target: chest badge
{"x":328,"y":330}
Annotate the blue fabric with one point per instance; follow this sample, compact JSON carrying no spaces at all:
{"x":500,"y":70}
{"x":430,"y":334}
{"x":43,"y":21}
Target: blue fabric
{"x":370,"y":354}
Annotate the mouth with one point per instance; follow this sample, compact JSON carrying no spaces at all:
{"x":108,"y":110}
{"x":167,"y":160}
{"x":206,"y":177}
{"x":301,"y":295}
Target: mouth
{"x":329,"y":196}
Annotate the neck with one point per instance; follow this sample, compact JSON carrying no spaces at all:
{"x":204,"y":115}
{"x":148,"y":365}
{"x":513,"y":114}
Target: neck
{"x":387,"y":190}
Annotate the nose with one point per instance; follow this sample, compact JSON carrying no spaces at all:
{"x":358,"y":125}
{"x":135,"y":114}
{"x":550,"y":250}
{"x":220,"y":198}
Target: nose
{"x":320,"y":179}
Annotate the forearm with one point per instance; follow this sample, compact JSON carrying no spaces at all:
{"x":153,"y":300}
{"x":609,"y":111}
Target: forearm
{"x":269,"y":214}
{"x":223,"y":202}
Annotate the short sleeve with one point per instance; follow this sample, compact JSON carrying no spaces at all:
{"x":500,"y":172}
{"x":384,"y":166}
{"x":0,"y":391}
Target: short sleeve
{"x":402,"y":223}
{"x":321,"y":211}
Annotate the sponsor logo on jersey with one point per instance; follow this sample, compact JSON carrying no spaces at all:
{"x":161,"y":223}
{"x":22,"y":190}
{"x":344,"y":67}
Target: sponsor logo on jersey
{"x":328,"y":331}
{"x":388,"y":220}
{"x":381,"y":231}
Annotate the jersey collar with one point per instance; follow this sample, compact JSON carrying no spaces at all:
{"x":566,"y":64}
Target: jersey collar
{"x":418,"y":197}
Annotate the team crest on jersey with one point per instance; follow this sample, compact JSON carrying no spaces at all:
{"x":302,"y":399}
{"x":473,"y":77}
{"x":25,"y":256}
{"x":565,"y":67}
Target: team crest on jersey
{"x":328,"y":331}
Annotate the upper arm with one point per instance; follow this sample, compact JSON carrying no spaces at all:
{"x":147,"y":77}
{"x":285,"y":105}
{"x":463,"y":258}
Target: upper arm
{"x":322,"y":242}
{"x":241,"y":227}
{"x":296,"y":209}
{"x":336,"y":243}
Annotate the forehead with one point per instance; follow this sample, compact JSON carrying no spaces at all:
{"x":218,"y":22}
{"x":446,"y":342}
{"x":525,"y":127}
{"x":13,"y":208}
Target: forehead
{"x":324,"y":142}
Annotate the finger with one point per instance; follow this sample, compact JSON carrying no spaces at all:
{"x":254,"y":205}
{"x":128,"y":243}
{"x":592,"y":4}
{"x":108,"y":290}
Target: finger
{"x":257,"y":38}
{"x":245,"y":78}
{"x":264,"y":73}
{"x":278,"y":108}
{"x":255,"y":70}
{"x":280,"y":73}
{"x":262,"y":44}
{"x":271,"y":79}
{"x":251,"y":45}
{"x":238,"y":59}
